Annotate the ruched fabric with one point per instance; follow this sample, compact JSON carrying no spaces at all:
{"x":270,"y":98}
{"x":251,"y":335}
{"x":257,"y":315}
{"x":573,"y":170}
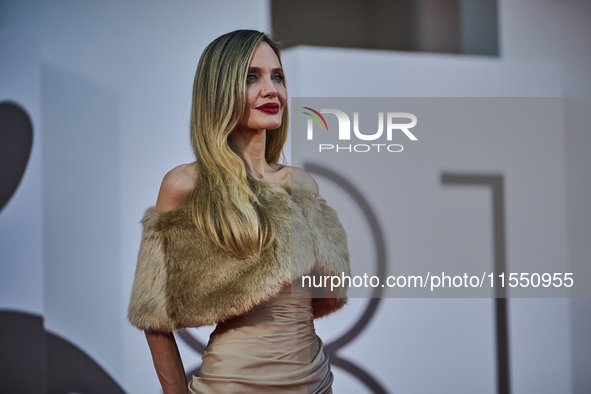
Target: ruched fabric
{"x":271,"y":349}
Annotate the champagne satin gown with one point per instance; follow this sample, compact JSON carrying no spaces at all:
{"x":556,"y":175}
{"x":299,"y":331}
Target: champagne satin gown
{"x":271,"y":349}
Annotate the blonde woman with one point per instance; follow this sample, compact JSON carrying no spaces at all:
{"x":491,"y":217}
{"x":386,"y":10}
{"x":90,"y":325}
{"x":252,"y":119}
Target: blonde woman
{"x":232,"y":231}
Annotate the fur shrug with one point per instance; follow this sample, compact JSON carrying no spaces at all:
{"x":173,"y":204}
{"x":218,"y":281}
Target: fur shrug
{"x":183,"y":279}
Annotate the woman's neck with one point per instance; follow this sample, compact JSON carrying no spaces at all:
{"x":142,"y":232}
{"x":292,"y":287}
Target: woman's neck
{"x":250,"y":146}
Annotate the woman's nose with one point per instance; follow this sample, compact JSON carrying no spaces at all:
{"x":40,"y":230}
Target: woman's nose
{"x":268,"y":88}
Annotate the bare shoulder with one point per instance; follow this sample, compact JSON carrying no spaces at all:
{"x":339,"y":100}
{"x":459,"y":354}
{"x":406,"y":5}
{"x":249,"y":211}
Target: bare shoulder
{"x":177,"y":186}
{"x":304,"y":179}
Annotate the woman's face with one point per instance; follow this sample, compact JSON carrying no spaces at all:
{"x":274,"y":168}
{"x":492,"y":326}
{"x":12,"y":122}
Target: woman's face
{"x":265,"y":94}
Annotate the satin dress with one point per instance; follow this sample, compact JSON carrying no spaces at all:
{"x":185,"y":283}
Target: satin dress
{"x":271,"y":349}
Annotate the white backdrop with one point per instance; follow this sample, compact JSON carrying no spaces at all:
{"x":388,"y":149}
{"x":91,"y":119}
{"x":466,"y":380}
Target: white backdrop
{"x":21,"y":220}
{"x":115,"y":81}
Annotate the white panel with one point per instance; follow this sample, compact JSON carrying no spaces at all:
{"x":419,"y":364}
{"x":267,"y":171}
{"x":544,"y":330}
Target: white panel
{"x":417,"y":346}
{"x":338,"y":72}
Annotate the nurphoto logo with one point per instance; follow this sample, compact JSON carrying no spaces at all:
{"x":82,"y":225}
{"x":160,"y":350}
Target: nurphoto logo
{"x":344,"y":131}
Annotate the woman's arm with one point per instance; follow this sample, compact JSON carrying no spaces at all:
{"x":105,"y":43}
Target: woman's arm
{"x":167,"y":362}
{"x":176,"y":189}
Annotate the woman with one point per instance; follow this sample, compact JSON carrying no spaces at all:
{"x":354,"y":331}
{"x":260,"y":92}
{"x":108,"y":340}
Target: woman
{"x":231,"y":231}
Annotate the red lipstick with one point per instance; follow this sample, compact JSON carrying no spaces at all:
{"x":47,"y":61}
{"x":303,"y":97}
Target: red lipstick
{"x":270,"y":108}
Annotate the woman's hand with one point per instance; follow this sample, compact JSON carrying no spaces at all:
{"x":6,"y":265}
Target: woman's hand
{"x":167,"y":361}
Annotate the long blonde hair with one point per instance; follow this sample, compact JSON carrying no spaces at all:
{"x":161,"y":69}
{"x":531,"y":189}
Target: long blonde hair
{"x":226,"y":201}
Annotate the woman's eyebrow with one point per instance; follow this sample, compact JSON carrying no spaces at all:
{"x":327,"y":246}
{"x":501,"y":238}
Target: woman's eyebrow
{"x":258,"y":69}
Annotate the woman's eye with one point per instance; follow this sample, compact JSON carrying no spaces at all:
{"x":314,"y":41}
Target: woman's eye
{"x":278,"y":77}
{"x":251,"y":77}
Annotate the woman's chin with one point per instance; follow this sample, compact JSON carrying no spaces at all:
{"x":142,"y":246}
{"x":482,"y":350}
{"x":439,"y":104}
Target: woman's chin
{"x":274,"y":127}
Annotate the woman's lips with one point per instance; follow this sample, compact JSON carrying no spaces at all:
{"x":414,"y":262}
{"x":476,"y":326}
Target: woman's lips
{"x":270,"y":108}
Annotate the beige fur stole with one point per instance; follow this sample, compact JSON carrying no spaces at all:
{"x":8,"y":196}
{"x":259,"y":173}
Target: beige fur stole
{"x":183,"y":279}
